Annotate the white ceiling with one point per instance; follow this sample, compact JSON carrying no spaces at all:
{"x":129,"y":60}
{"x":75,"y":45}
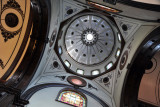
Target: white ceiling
{"x":149,"y":1}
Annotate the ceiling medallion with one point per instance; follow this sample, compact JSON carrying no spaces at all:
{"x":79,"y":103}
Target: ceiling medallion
{"x":76,"y":81}
{"x":8,"y":35}
{"x":11,"y":20}
{"x":15,"y":5}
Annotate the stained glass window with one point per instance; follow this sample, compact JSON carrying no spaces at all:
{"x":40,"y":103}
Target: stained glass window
{"x":72,"y":98}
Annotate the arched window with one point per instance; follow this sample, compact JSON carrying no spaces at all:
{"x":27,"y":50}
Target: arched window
{"x":72,"y":97}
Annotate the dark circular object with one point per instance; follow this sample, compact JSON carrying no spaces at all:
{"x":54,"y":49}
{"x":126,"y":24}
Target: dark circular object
{"x":84,"y":55}
{"x":124,"y":27}
{"x":149,"y":65}
{"x":76,"y":81}
{"x":93,"y":55}
{"x":85,"y":20}
{"x":11,"y":20}
{"x":77,"y":25}
{"x":101,"y":51}
{"x":102,"y":26}
{"x":106,"y":80}
{"x":70,"y":11}
{"x":72,"y":42}
{"x":72,"y":33}
{"x":94,"y":20}
{"x":55,"y":64}
{"x":76,"y":50}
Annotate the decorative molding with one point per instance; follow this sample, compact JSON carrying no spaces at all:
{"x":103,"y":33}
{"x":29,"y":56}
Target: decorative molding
{"x":109,"y":84}
{"x":53,"y":37}
{"x":130,"y":45}
{"x":61,"y":77}
{"x":118,"y":75}
{"x":127,"y":27}
{"x":52,"y":66}
{"x":8,"y":35}
{"x":91,"y":87}
{"x":14,"y":5}
{"x":106,"y":81}
{"x":1,"y":64}
{"x":70,"y":9}
{"x":123,"y":60}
